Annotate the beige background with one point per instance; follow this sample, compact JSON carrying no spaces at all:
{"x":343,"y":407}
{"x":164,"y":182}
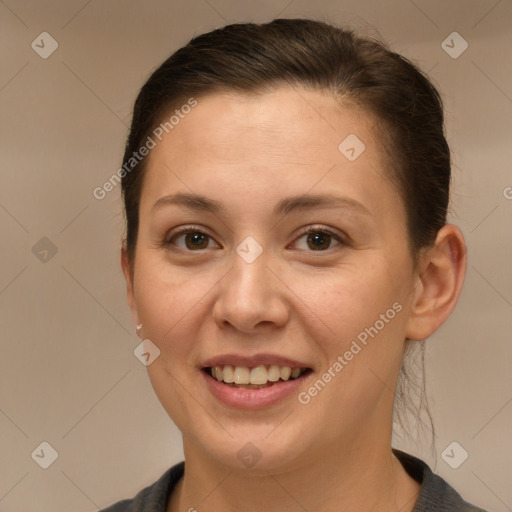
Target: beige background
{"x":68,"y":375}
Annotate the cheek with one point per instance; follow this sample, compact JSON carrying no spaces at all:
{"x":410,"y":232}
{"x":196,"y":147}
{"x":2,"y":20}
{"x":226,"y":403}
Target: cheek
{"x":362,"y":356}
{"x":163,"y":303}
{"x":170,"y":307}
{"x":163,"y":294}
{"x":353,"y":299}
{"x":367,"y":316}
{"x":173,"y":304}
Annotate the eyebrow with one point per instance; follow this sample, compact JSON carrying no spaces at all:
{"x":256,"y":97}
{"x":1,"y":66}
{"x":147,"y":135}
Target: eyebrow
{"x":287,"y":205}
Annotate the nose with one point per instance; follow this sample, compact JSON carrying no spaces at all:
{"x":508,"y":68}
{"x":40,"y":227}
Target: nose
{"x":251,"y":297}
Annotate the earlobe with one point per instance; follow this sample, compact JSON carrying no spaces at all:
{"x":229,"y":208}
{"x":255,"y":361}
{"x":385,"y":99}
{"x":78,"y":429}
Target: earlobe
{"x":440,"y":277}
{"x":129,"y":277}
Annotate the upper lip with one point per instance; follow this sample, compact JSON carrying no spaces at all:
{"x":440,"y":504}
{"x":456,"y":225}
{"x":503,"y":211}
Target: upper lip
{"x":252,"y":361}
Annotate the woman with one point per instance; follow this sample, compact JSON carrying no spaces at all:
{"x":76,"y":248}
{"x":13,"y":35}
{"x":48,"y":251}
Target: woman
{"x":286,"y":188}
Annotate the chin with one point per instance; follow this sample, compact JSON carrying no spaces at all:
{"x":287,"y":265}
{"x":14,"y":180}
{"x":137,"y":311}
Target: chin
{"x":253,"y":447}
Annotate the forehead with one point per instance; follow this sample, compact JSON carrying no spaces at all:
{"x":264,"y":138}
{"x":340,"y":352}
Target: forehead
{"x":287,"y":141}
{"x":286,"y":121}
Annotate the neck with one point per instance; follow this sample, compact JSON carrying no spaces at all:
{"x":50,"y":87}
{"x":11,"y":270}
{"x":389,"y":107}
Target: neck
{"x":365,"y":476}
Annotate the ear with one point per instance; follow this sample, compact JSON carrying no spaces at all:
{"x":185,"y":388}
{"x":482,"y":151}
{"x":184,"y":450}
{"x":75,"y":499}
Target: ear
{"x":440,"y":275}
{"x":128,"y":272}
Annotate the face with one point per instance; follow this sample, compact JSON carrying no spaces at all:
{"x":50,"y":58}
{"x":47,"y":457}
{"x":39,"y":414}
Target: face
{"x":246,"y":289}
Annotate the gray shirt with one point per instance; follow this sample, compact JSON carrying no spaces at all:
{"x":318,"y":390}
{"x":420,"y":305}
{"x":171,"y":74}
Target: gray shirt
{"x":436,"y":494}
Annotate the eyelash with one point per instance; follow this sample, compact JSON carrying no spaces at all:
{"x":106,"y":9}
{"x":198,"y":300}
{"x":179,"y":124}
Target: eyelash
{"x":193,"y":230}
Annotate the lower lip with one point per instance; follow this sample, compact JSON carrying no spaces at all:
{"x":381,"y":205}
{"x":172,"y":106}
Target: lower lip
{"x":256,"y":398}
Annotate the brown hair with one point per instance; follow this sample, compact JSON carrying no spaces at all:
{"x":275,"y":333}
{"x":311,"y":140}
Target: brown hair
{"x":251,"y":58}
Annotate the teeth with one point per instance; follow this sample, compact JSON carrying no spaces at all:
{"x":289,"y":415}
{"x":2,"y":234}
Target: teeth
{"x":217,"y":373}
{"x":274,"y":373}
{"x":295,"y":373}
{"x":228,"y":375}
{"x":286,"y":371}
{"x":241,"y":375}
{"x":257,"y":376}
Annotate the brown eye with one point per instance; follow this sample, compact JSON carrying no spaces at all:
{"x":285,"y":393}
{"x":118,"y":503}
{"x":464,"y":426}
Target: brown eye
{"x":319,"y":239}
{"x":193,"y":240}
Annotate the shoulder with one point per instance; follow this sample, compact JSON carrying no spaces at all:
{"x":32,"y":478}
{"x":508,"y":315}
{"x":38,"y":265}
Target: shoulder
{"x":154,"y":497}
{"x":436,"y":494}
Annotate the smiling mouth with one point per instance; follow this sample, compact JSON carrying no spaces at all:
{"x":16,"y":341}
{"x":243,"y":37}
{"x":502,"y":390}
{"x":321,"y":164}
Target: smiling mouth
{"x":254,"y":377}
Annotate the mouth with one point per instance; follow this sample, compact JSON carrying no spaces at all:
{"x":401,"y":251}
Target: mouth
{"x":256,"y":377}
{"x":254,"y":381}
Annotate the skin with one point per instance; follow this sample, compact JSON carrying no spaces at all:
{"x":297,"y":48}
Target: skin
{"x":248,"y":152}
